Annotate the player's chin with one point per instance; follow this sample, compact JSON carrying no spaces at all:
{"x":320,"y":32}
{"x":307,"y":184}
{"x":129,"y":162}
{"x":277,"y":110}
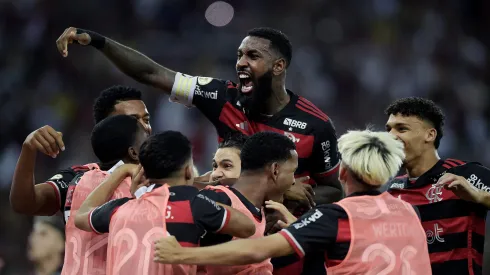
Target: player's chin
{"x":246,"y":90}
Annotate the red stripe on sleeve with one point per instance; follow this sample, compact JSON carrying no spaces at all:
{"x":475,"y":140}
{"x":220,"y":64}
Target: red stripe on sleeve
{"x":343,"y":231}
{"x":304,"y":109}
{"x":312,"y":106}
{"x":292,"y":242}
{"x":460,"y":162}
{"x":56,"y":191}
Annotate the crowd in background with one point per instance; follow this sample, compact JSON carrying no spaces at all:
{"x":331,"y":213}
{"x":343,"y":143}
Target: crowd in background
{"x":351,"y":58}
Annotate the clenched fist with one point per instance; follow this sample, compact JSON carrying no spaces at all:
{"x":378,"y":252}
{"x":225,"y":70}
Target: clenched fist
{"x":45,"y":140}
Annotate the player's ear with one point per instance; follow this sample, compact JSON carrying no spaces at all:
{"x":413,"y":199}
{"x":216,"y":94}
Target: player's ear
{"x":274,"y":171}
{"x":279,"y":66}
{"x":133,"y":154}
{"x":431,"y":135}
{"x":189,"y":172}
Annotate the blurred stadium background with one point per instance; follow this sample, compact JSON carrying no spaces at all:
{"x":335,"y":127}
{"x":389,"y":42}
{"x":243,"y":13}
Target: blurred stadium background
{"x":351,"y":58}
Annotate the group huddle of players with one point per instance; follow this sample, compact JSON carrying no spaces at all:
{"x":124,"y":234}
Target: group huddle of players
{"x":279,"y":168}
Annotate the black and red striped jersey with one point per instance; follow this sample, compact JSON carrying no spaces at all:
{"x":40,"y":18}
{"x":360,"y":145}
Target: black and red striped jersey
{"x":323,"y":235}
{"x":189,"y":216}
{"x":455,"y":228}
{"x":312,"y":131}
{"x":61,"y":183}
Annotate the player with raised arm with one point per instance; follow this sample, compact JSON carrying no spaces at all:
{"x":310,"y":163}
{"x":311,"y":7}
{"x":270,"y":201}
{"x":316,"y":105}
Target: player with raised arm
{"x":259,"y":102}
{"x":47,"y":198}
{"x":163,"y":204}
{"x":115,"y":139}
{"x":366,"y":233}
{"x":452,"y":195}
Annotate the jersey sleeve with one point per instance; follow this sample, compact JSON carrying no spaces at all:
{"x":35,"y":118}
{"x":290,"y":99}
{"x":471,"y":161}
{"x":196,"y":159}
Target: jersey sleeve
{"x":315,"y":231}
{"x":100,"y":217}
{"x":207,"y":213}
{"x":208,"y":94}
{"x":60,"y":183}
{"x":476,"y":174}
{"x":325,"y":158}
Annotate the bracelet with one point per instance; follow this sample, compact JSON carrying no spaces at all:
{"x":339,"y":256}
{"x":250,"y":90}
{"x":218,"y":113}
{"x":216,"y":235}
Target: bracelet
{"x":96,"y":40}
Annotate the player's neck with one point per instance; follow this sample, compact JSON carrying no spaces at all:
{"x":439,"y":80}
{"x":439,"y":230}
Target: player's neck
{"x":420,"y":165}
{"x":278,"y":100}
{"x":49,"y":265}
{"x":170,"y":181}
{"x":251,"y":187}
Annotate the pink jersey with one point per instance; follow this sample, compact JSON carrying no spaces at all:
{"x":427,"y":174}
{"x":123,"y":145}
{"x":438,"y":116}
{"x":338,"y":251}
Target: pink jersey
{"x":86,"y":252}
{"x":134,"y":228}
{"x":386,"y":238}
{"x":263,"y":268}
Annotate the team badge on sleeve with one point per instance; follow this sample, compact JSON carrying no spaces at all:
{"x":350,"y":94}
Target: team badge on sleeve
{"x":204,"y":80}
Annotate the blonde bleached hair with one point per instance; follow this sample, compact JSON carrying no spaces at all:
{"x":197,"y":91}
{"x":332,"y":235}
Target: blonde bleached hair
{"x":373,"y":157}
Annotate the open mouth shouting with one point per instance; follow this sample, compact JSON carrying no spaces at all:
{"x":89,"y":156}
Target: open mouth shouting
{"x":246,"y":83}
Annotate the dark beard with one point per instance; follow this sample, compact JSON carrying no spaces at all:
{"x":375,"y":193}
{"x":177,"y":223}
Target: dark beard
{"x":255,"y":104}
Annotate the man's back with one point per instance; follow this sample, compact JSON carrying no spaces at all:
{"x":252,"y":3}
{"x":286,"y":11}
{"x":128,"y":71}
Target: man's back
{"x":85,"y":252}
{"x":386,"y":237}
{"x":455,"y":228}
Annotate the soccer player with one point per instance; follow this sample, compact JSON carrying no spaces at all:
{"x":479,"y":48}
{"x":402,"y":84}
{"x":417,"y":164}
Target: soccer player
{"x":27,"y":197}
{"x":452,"y":195}
{"x":259,"y":102}
{"x":366,"y":233}
{"x":116,"y":139}
{"x":46,"y":245}
{"x":163,"y":203}
{"x":226,"y":160}
{"x":269,"y":161}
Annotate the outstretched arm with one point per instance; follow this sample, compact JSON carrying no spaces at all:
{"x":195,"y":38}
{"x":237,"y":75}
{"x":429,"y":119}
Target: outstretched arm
{"x":240,"y":252}
{"x":129,"y":61}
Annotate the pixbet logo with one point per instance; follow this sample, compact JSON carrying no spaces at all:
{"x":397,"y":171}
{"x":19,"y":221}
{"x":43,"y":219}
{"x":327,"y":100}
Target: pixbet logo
{"x":295,"y":123}
{"x":433,"y":236}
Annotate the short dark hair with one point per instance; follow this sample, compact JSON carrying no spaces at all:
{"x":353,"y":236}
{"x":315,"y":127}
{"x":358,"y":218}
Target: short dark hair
{"x":422,"y":108}
{"x":264,"y":148}
{"x":163,"y":154}
{"x":108,"y":98}
{"x":233,"y":140}
{"x":112,"y":137}
{"x":279,"y":41}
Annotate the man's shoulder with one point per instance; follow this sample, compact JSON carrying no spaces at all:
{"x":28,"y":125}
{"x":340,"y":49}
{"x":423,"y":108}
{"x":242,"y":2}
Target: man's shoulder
{"x":182,"y":193}
{"x":309,"y":112}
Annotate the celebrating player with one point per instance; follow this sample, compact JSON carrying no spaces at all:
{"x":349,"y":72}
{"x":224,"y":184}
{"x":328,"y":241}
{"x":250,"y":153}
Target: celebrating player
{"x":452,"y":195}
{"x":27,"y":197}
{"x":367,"y":232}
{"x":114,"y":139}
{"x":268,"y":164}
{"x":162,"y":204}
{"x":260,"y":102}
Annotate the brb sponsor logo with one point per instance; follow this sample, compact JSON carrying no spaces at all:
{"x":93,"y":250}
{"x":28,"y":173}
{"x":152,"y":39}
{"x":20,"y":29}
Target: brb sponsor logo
{"x":477,"y":183}
{"x":326,"y":154}
{"x":312,"y":218}
{"x":295,"y":123}
{"x":434,"y":194}
{"x":434,"y":235}
{"x":205,"y":94}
